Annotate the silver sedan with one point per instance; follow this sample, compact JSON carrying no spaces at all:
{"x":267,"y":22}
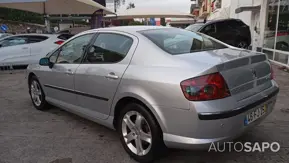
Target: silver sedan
{"x":157,"y":86}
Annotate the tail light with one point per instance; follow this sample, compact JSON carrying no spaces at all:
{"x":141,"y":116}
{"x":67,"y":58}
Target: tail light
{"x":59,"y":42}
{"x":207,"y":87}
{"x":272,"y":72}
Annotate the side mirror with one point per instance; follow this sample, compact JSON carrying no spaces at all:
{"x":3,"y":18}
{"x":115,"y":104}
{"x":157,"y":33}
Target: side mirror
{"x":45,"y":62}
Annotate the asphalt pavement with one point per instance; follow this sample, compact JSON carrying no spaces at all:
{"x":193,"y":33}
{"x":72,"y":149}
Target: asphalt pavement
{"x":31,"y":136}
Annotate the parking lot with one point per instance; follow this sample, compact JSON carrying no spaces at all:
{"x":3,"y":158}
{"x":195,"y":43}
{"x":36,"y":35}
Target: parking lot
{"x":31,"y":136}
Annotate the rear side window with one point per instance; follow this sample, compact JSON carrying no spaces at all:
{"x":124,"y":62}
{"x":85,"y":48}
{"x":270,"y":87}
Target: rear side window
{"x":36,"y":39}
{"x":177,"y":41}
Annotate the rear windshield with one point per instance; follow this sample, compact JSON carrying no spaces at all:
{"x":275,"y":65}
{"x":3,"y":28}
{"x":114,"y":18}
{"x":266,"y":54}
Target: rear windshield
{"x":178,"y":41}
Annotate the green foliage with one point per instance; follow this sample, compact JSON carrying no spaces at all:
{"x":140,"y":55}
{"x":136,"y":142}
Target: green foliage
{"x":135,"y":23}
{"x":19,"y":15}
{"x":119,"y":3}
{"x":130,"y":5}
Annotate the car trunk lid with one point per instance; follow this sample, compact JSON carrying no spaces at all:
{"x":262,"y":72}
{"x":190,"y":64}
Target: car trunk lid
{"x":246,"y":73}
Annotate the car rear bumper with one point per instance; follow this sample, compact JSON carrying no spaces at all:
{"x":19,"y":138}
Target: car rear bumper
{"x":217,"y":127}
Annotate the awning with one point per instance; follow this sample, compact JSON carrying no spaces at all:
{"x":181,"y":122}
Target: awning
{"x":53,"y":7}
{"x":150,"y":13}
{"x":247,"y":8}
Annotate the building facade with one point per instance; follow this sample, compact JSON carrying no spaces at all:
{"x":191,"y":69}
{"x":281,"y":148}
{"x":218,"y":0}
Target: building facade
{"x":268,"y":21}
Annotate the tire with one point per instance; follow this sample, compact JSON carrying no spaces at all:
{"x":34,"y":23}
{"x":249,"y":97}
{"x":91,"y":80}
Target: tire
{"x":148,"y":125}
{"x":41,"y":103}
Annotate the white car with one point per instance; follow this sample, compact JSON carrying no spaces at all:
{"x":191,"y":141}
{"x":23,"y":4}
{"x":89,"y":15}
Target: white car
{"x":27,"y":49}
{"x":2,"y":35}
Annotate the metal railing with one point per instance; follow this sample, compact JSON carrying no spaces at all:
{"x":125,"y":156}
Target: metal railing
{"x":11,"y":68}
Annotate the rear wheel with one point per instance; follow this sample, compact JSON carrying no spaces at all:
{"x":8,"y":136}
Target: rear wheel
{"x":140,"y":134}
{"x":37,"y":95}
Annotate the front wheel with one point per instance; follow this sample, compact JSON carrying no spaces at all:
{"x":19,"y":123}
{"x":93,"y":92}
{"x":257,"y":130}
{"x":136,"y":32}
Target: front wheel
{"x":37,"y":95}
{"x":140,"y":134}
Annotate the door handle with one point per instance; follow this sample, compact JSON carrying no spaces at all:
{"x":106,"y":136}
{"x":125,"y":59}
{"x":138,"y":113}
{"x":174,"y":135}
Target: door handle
{"x":69,"y":72}
{"x":111,"y":75}
{"x":25,"y":48}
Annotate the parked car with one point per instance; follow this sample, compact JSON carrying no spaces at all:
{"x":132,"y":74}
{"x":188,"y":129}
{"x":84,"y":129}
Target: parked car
{"x":231,"y":31}
{"x":2,"y":35}
{"x":26,"y":49}
{"x":157,"y":86}
{"x":74,"y":30}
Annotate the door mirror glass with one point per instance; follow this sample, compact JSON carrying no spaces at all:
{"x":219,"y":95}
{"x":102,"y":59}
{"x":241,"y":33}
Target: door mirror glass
{"x":44,"y":62}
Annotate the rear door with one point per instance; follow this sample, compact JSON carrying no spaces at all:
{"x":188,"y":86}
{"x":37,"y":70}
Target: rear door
{"x":97,"y":78}
{"x":39,"y":48}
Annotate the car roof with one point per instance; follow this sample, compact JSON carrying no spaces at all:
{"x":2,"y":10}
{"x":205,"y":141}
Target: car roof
{"x":128,"y":29}
{"x":36,"y":34}
{"x":221,"y":20}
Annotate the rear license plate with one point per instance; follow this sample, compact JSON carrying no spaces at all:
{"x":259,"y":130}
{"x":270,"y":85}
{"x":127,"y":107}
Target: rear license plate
{"x":255,"y":114}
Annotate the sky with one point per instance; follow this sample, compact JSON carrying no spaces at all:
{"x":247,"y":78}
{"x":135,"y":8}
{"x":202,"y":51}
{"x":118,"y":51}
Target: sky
{"x":176,"y":5}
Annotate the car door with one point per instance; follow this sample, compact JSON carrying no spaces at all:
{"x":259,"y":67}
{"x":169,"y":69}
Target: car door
{"x":97,"y":78}
{"x":58,"y":80}
{"x":13,"y":49}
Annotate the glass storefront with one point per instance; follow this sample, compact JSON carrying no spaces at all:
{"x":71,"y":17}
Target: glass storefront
{"x":276,"y":34}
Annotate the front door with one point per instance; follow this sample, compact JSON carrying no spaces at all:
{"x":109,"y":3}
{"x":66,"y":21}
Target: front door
{"x":58,"y":80}
{"x":14,"y":49}
{"x":97,"y":78}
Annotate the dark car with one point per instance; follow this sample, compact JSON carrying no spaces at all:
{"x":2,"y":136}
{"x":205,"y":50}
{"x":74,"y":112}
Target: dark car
{"x":231,"y":31}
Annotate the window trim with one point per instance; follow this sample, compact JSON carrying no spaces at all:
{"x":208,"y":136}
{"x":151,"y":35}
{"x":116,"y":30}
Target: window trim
{"x":94,"y":39}
{"x":83,"y":53}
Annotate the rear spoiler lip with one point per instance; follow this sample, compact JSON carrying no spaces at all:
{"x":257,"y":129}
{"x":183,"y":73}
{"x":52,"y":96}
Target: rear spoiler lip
{"x":235,"y":112}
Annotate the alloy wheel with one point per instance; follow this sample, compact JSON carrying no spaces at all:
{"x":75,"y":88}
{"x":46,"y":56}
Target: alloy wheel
{"x":36,"y":93}
{"x":136,"y":133}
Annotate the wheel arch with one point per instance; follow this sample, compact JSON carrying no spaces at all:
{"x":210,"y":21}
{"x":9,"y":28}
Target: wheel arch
{"x":129,"y":98}
{"x":31,"y":74}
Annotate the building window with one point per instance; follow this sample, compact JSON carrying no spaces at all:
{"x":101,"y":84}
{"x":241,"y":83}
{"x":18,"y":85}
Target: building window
{"x":276,"y":34}
{"x":282,"y":39}
{"x":271,"y":20}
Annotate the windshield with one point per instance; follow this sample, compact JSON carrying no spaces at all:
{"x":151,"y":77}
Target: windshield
{"x":194,"y":27}
{"x":179,"y":41}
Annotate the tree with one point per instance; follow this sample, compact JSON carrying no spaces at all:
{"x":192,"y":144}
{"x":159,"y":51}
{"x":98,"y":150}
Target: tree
{"x":118,"y":3}
{"x":130,"y":6}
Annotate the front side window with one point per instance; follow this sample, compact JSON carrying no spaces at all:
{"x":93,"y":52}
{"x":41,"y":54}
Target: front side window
{"x":109,"y":48}
{"x":12,"y":41}
{"x":178,"y":41}
{"x":72,"y":51}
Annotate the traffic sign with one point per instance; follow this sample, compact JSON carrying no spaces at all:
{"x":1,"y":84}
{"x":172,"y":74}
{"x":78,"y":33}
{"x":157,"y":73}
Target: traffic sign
{"x":4,"y":27}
